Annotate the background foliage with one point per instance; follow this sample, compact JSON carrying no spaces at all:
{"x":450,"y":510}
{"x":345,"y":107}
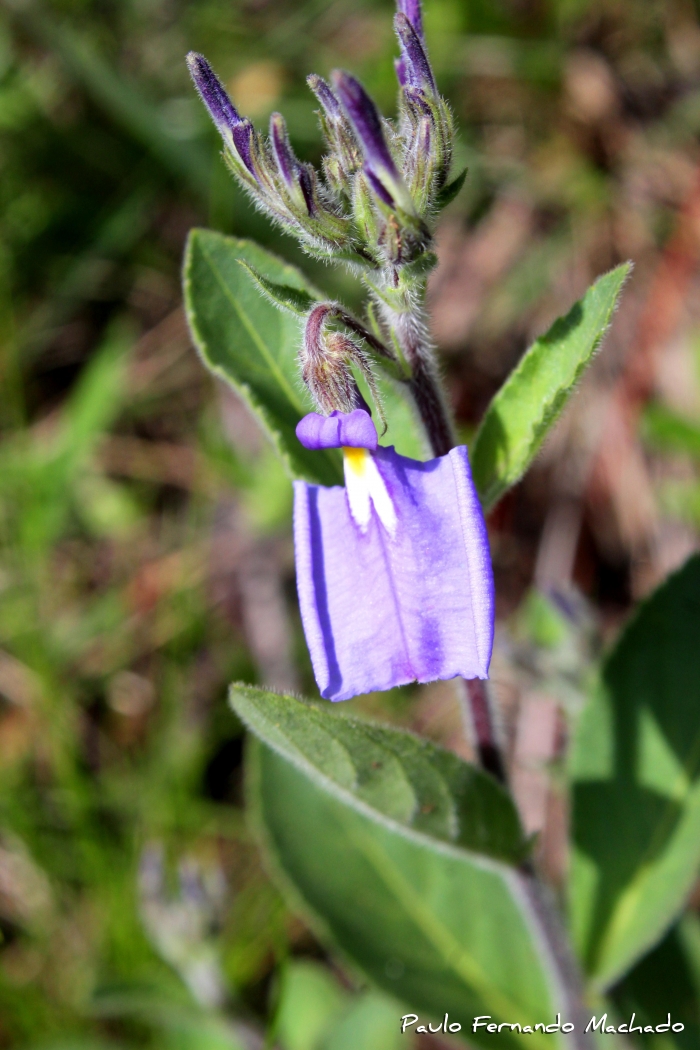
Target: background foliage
{"x":144,"y":523}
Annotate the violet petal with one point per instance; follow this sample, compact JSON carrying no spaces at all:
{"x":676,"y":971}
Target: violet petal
{"x":338,"y":430}
{"x":379,"y":610}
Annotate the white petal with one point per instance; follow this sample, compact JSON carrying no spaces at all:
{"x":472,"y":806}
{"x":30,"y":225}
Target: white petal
{"x":364,"y":483}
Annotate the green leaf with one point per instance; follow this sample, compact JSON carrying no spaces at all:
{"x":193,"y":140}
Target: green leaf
{"x":665,"y":981}
{"x":295,"y":300}
{"x":310,"y":1001}
{"x":371,"y":1023}
{"x":438,"y":927}
{"x":405,"y":778}
{"x":448,"y":193}
{"x":251,"y":344}
{"x":636,"y":784}
{"x":315,"y":1012}
{"x":533,"y":396}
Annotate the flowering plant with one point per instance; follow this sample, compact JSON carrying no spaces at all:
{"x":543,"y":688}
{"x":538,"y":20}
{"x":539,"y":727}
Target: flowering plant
{"x":412,"y":861}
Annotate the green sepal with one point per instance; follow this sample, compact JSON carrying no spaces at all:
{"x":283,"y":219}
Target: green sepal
{"x":448,"y":193}
{"x":295,"y":300}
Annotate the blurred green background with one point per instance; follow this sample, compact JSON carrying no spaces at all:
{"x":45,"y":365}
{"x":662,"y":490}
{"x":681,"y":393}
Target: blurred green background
{"x":146,"y":556}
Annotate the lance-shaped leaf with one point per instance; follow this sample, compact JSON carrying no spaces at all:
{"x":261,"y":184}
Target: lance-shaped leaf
{"x":532,"y":398}
{"x":448,"y":193}
{"x":402,"y":776}
{"x":364,"y":826}
{"x":636,"y":784}
{"x":243,"y":338}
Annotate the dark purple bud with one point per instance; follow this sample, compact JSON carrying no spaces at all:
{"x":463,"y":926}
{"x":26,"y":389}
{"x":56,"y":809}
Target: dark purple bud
{"x":366,"y":121}
{"x":306,"y":187}
{"x":325,"y":96}
{"x":213,"y":93}
{"x":296,"y":176}
{"x":287,"y":163}
{"x":415,"y":67}
{"x":243,"y":137}
{"x":412,"y":10}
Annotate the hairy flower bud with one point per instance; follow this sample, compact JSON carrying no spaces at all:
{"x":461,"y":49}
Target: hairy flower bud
{"x":325,"y":364}
{"x":379,"y":164}
{"x":345,"y":156}
{"x":213,"y":94}
{"x":412,"y":10}
{"x":237,"y":132}
{"x":296,"y":178}
{"x":416,"y":71}
{"x":327,"y":358}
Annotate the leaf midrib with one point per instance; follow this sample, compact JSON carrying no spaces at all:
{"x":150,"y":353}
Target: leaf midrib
{"x":252,"y":332}
{"x":447,"y":947}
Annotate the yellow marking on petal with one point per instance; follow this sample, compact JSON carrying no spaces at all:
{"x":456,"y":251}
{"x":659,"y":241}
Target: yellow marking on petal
{"x":356,"y":459}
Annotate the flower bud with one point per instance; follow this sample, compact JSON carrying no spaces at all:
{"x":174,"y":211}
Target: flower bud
{"x":416,"y":71}
{"x":327,"y":358}
{"x":412,"y":10}
{"x":213,"y":94}
{"x":295,"y":176}
{"x":325,"y":366}
{"x":345,"y":156}
{"x":379,"y":164}
{"x":237,"y":132}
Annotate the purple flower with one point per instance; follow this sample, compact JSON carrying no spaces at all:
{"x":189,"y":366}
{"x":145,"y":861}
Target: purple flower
{"x":366,"y":122}
{"x":393,"y":571}
{"x":338,"y":430}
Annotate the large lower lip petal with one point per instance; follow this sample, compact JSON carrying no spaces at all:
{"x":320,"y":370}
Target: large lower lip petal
{"x":380,"y":610}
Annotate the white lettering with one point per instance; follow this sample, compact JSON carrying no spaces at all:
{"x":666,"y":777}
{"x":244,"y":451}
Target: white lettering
{"x":406,"y":1020}
{"x":594,"y":1024}
{"x":556,"y":1026}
